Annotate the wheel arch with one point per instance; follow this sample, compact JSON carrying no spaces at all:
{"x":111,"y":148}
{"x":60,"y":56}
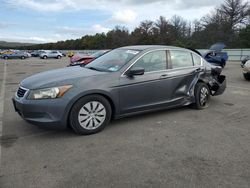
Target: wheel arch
{"x":200,"y":80}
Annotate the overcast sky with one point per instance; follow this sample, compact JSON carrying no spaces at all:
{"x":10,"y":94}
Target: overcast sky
{"x":41,"y":21}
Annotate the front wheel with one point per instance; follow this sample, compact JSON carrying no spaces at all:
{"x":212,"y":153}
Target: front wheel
{"x":202,"y":96}
{"x":45,"y":57}
{"x":59,"y":57}
{"x":90,"y":114}
{"x":5,"y":57}
{"x":22,"y":57}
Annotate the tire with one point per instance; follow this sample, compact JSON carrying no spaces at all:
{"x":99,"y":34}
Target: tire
{"x":246,"y":76}
{"x":5,"y":57}
{"x":59,"y":57}
{"x":223,"y":63}
{"x":202,"y":96}
{"x":22,"y":57}
{"x":45,"y":57}
{"x":90,"y":114}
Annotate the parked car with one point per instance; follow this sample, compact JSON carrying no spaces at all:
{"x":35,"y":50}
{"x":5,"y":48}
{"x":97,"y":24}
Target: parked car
{"x":85,"y":59}
{"x":77,"y":56}
{"x":63,"y":53}
{"x":215,"y":55}
{"x":16,"y":55}
{"x":51,"y":54}
{"x":125,"y":81}
{"x":35,"y":53}
{"x":244,"y":60}
{"x":6,"y":52}
{"x":246,"y":69}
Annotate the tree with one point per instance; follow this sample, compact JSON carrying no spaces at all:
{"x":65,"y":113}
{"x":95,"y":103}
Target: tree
{"x":235,"y":13}
{"x":118,"y":37}
{"x":244,"y":37}
{"x":144,"y":34}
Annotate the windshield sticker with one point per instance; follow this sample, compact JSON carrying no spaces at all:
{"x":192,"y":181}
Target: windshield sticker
{"x":134,"y":52}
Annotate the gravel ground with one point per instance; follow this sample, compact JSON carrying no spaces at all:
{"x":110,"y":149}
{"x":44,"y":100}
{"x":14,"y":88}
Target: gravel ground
{"x":173,"y":148}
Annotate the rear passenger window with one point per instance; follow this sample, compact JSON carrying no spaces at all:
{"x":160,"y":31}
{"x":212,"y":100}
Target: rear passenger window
{"x":181,"y":59}
{"x":197,"y":60}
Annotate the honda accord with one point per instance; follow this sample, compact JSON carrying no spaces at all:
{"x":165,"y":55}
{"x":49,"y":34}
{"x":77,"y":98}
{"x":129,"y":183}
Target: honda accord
{"x":123,"y":82}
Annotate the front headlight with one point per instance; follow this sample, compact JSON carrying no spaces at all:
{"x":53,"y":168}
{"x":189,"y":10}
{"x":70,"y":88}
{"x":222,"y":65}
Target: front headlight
{"x":49,"y":93}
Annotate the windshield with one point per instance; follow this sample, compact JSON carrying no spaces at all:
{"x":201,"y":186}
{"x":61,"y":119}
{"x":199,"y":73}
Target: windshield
{"x":113,"y":60}
{"x":98,"y":54}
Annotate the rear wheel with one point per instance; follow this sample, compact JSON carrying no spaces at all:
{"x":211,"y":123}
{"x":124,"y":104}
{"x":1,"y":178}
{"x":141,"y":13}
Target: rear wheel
{"x":90,"y":114}
{"x":202,"y":96}
{"x":5,"y":57}
{"x":45,"y":57}
{"x":22,"y":57}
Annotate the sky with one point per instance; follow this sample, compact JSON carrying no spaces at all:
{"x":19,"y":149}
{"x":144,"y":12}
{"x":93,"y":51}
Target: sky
{"x":41,"y":21}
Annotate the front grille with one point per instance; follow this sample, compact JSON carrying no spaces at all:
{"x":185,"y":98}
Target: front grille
{"x":21,"y":92}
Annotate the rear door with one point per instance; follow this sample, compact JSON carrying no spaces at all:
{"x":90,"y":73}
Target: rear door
{"x":149,"y":90}
{"x":185,"y":69}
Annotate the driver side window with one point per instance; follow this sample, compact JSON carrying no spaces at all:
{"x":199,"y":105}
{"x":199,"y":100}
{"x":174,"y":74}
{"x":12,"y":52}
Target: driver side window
{"x":153,"y":61}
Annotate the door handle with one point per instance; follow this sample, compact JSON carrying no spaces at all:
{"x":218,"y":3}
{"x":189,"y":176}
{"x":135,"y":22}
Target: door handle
{"x":163,"y":76}
{"x":198,"y":70}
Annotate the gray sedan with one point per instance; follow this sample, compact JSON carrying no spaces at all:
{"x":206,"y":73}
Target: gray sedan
{"x":123,"y":82}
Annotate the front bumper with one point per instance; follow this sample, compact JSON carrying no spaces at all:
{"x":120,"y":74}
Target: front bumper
{"x":47,"y":112}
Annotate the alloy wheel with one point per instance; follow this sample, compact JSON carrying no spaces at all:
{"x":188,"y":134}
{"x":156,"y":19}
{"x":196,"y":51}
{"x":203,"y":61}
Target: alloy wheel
{"x":204,"y":95}
{"x":92,"y":115}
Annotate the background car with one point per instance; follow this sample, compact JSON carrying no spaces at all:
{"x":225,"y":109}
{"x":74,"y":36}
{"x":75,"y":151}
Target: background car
{"x":63,"y":53}
{"x":246,"y":69}
{"x":123,"y":82}
{"x":85,"y":59}
{"x":51,"y":54}
{"x":6,"y":52}
{"x":16,"y":55}
{"x":244,"y":60}
{"x":77,"y":57}
{"x":35,"y":53}
{"x":215,"y":55}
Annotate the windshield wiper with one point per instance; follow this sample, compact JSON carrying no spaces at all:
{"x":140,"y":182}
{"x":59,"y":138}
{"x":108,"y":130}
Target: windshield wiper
{"x":93,"y":68}
{"x":98,"y":69}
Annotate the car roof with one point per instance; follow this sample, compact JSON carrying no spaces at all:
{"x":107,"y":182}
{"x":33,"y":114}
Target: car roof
{"x":148,"y":47}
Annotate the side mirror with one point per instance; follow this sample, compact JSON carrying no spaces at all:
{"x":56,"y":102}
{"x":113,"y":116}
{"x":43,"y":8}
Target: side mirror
{"x":135,"y":71}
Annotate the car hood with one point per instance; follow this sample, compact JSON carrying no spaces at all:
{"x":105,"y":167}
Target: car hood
{"x":58,"y":77}
{"x":218,"y":47}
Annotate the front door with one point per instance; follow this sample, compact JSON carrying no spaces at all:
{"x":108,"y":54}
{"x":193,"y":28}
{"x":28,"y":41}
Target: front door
{"x":149,"y":90}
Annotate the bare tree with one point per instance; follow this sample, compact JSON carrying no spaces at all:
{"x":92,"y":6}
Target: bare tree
{"x":235,"y":13}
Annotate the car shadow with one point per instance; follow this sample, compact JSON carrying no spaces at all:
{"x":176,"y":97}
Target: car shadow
{"x":147,"y":115}
{"x":48,"y":132}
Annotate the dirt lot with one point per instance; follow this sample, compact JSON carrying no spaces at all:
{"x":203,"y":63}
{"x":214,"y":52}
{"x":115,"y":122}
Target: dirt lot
{"x":173,"y":148}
